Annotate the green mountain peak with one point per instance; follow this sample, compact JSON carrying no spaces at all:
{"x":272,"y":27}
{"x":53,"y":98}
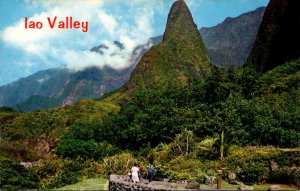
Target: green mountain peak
{"x":179,"y":57}
{"x":180,"y":21}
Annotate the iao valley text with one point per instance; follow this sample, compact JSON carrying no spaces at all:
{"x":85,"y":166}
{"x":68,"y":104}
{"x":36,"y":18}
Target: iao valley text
{"x":66,"y":23}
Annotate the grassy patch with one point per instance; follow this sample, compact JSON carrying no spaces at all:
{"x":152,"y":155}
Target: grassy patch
{"x":87,"y":184}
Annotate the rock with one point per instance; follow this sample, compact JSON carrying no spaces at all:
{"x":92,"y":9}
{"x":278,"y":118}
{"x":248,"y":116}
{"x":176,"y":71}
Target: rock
{"x":193,"y":185}
{"x":28,"y":165}
{"x":274,"y":188}
{"x":232,"y":178}
{"x":245,"y":187}
{"x":173,"y":185}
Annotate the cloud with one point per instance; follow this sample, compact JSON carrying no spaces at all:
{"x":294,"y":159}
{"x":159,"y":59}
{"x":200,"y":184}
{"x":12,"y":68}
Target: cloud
{"x":50,"y":3}
{"x":71,"y":47}
{"x":108,"y":22}
{"x":31,"y":41}
{"x":78,"y":60}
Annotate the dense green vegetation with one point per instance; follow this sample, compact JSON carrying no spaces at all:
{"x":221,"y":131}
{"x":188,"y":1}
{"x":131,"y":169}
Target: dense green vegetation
{"x":248,"y":107}
{"x":28,"y":136}
{"x":189,"y":132}
{"x":35,"y":102}
{"x":6,"y":109}
{"x":16,"y":177}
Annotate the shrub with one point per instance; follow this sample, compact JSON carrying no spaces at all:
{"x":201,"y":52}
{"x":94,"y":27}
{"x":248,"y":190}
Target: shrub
{"x":184,"y":164}
{"x":59,"y":172}
{"x":90,"y":149}
{"x":252,"y":173}
{"x":92,"y":169}
{"x":160,"y":154}
{"x":204,"y":175}
{"x":286,"y":175}
{"x":14,"y":176}
{"x":263,"y":155}
{"x":180,"y":168}
{"x":118,"y":164}
{"x":180,"y":176}
{"x":201,"y":178}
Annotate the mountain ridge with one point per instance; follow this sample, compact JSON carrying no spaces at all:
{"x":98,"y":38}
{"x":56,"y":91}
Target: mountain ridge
{"x":222,"y":47}
{"x":230,"y":42}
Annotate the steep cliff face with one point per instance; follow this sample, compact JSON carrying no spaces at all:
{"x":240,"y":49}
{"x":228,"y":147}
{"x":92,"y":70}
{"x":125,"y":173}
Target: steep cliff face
{"x":278,"y":38}
{"x":230,"y":42}
{"x":180,"y":56}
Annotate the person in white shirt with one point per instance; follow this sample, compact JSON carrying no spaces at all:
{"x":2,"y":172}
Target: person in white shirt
{"x":135,"y":174}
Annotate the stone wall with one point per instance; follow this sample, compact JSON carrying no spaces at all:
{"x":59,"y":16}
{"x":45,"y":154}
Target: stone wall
{"x":121,"y":183}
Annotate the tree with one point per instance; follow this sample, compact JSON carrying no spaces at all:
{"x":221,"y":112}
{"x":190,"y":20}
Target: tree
{"x":216,"y":146}
{"x":184,"y":143}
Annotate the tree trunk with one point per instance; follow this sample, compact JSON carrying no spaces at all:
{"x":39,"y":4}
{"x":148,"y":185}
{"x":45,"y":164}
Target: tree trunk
{"x":222,"y":146}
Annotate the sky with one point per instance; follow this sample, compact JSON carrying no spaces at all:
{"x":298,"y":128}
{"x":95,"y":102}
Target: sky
{"x":132,"y":22}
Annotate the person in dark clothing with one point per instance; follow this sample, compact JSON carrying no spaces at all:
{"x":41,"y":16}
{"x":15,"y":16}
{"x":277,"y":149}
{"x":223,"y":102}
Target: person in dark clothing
{"x":151,"y":172}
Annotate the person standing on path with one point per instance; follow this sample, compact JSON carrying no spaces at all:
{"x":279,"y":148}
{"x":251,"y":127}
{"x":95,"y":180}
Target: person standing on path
{"x":135,"y":174}
{"x":151,"y":172}
{"x":140,"y":173}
